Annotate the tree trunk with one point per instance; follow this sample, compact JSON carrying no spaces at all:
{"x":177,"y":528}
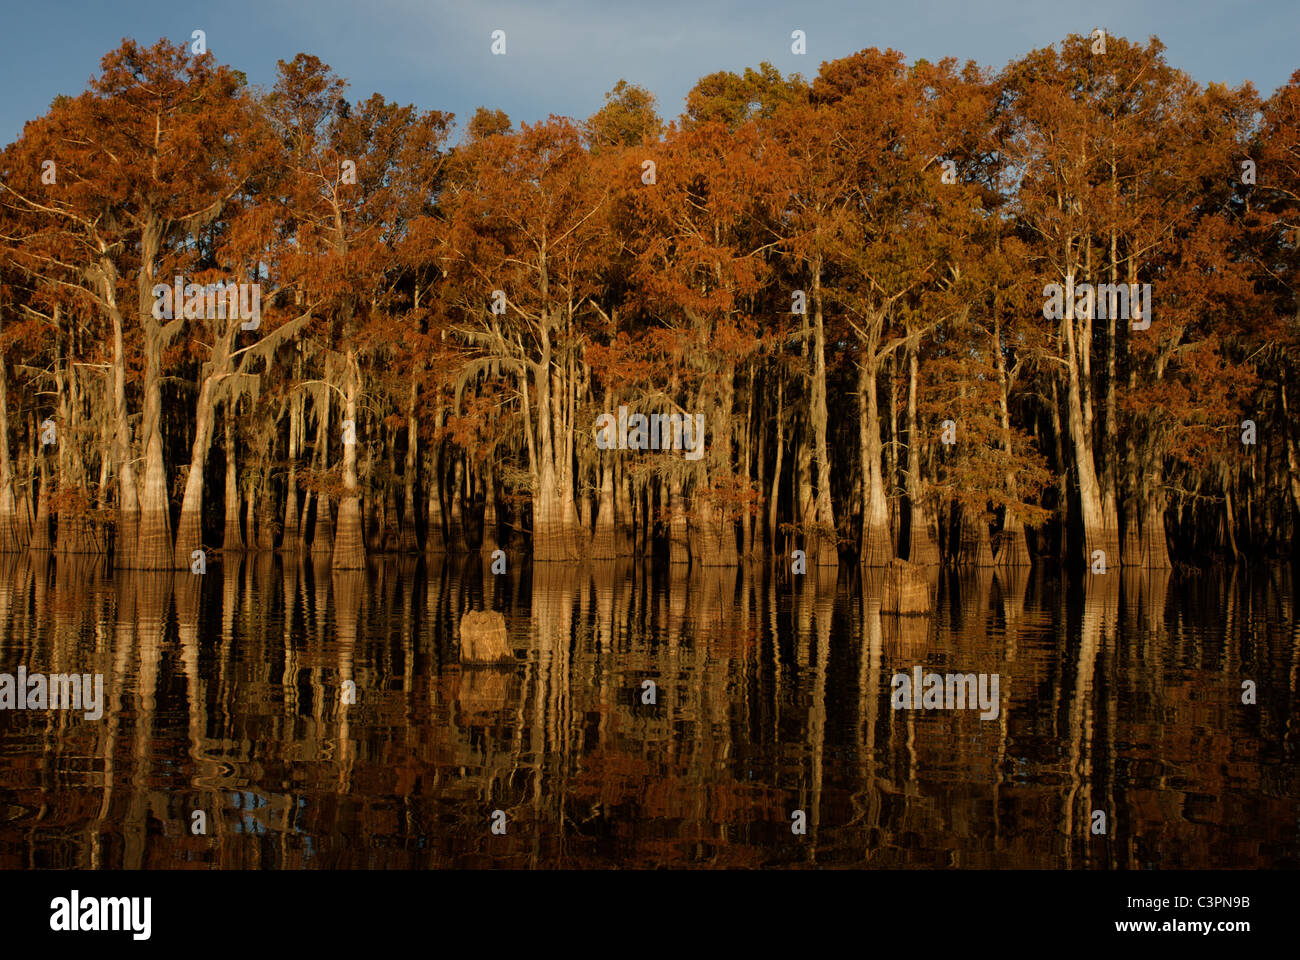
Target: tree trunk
{"x":827,"y":548}
{"x":1099,"y":532}
{"x":232,"y":541}
{"x":602,"y":538}
{"x":409,"y":542}
{"x":875,"y":512}
{"x":293,"y":520}
{"x":9,"y":542}
{"x":154,"y":541}
{"x":455,"y":518}
{"x":349,"y":543}
{"x":1013,"y":547}
{"x":922,"y":531}
{"x":189,"y":527}
{"x":678,"y":525}
{"x":773,"y":516}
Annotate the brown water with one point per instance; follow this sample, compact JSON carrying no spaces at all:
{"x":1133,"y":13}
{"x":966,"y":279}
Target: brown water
{"x":1120,"y":694}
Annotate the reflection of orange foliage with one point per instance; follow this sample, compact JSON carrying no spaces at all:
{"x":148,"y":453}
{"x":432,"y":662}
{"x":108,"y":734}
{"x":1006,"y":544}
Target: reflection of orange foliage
{"x":591,"y":777}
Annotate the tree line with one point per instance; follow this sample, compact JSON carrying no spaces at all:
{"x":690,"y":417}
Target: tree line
{"x":846,"y":278}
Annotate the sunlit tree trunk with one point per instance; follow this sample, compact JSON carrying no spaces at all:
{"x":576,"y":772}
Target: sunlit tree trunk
{"x":876,"y":550}
{"x":128,"y":505}
{"x":1098,"y":533}
{"x":349,"y":545}
{"x":827,"y":549}
{"x":154,"y":541}
{"x":189,"y":527}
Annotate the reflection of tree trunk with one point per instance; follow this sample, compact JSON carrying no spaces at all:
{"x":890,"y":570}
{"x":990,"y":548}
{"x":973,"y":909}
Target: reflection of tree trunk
{"x":349,"y":589}
{"x":823,"y":612}
{"x":552,"y":631}
{"x":867,"y":801}
{"x":1100,"y":612}
{"x":123,"y":642}
{"x":152,"y":592}
{"x":188,"y":591}
{"x":435,"y":575}
{"x":1012,"y":582}
{"x":291,"y":573}
{"x":975,"y":586}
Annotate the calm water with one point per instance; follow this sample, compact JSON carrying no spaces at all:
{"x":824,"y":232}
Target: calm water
{"x":1120,"y":694}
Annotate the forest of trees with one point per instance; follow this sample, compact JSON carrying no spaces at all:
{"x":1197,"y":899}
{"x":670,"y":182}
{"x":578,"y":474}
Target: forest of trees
{"x":846,"y":277}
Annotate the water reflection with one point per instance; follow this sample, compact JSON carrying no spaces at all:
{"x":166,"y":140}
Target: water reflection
{"x":770,"y":694}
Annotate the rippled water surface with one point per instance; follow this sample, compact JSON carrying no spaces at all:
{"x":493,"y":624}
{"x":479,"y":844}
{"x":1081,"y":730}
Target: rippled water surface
{"x":772,"y":694}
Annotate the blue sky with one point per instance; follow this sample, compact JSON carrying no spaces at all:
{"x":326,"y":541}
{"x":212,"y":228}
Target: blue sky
{"x":563,"y":56}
